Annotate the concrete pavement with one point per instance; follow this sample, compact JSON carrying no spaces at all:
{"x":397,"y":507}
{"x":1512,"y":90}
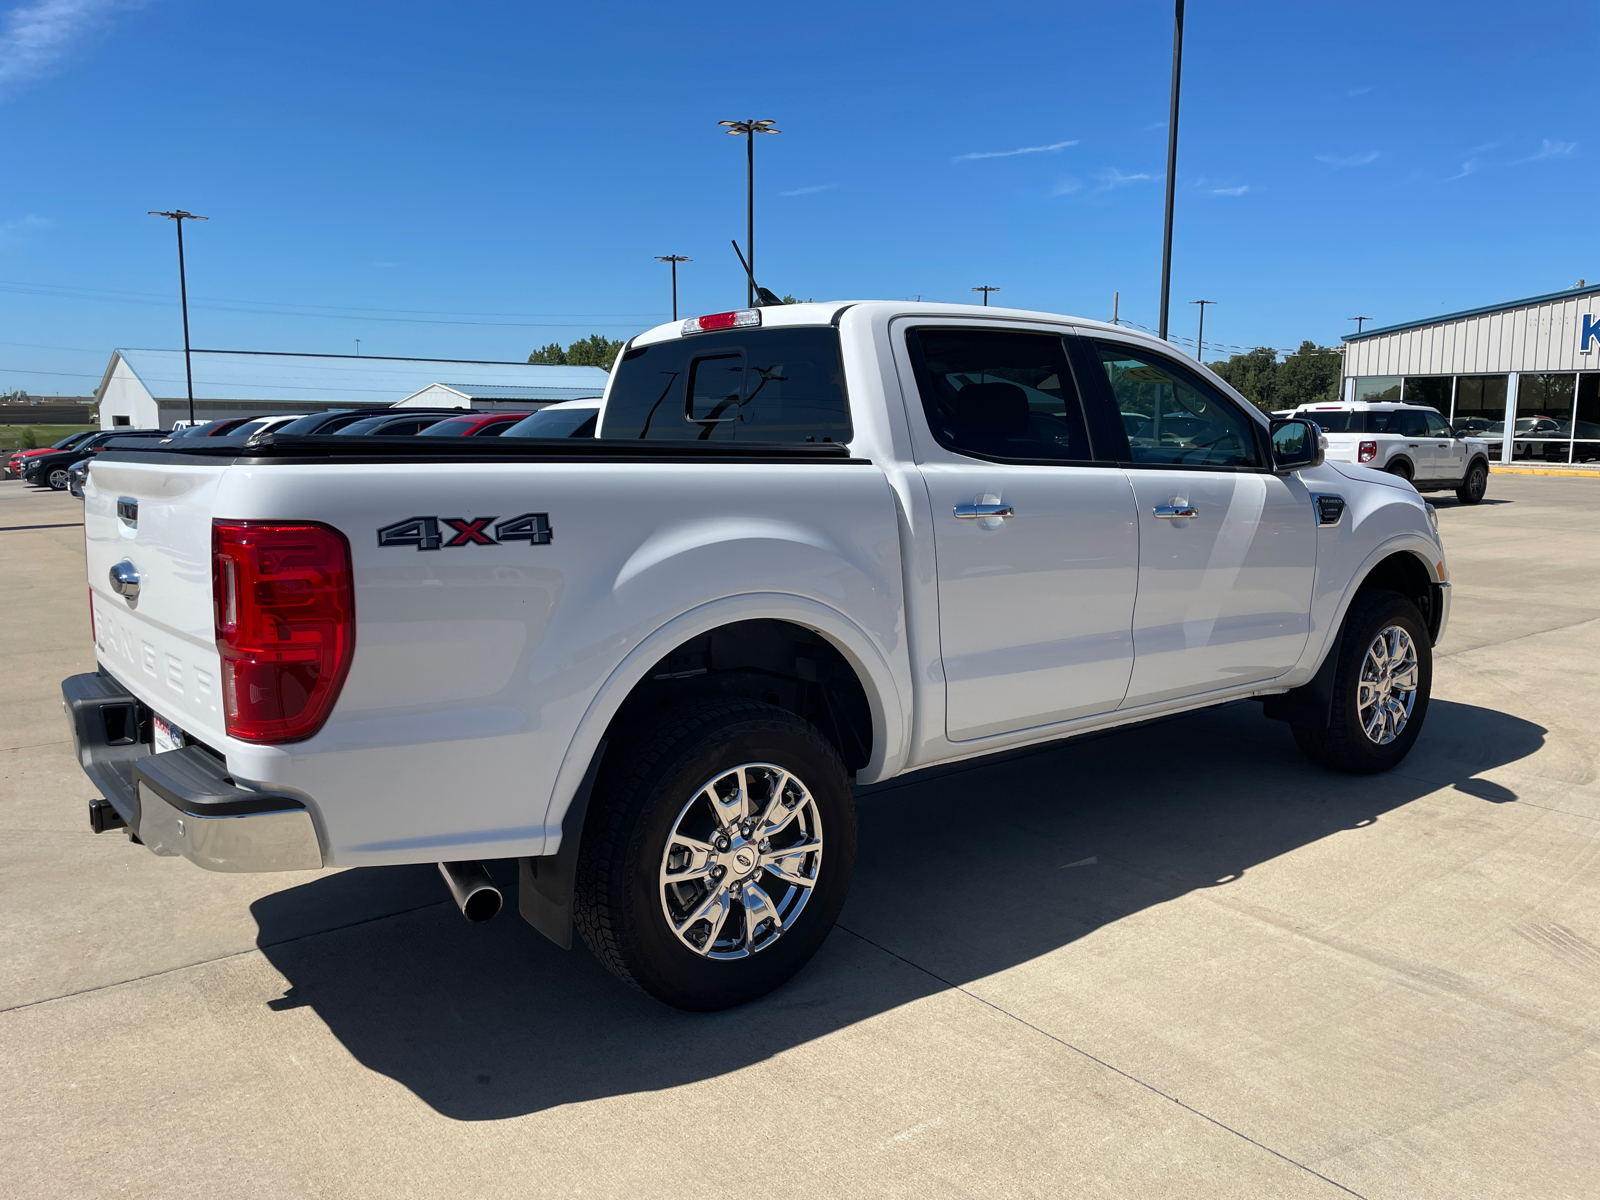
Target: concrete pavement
{"x":1177,"y":961}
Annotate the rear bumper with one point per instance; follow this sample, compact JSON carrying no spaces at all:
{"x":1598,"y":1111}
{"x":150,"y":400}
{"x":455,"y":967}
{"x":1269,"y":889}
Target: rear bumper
{"x":182,"y":802}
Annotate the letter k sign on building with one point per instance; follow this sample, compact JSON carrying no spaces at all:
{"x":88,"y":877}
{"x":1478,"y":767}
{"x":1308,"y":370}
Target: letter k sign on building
{"x":1591,"y":331}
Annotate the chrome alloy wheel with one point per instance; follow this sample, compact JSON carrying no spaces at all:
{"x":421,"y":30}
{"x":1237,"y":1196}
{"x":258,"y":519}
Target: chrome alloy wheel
{"x":741,"y":861}
{"x":1388,"y":685}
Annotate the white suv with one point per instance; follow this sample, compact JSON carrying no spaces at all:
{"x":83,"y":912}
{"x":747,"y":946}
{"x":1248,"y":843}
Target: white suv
{"x":1407,"y":440}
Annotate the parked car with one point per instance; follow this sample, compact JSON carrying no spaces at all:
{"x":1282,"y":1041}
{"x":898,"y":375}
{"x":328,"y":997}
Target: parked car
{"x":570,"y":418}
{"x":816,"y":546}
{"x":77,"y":476}
{"x":262,"y":425}
{"x":15,"y":463}
{"x":477,"y":424}
{"x":50,"y":470}
{"x":1409,"y":440}
{"x":329,"y":421}
{"x":402,"y":422}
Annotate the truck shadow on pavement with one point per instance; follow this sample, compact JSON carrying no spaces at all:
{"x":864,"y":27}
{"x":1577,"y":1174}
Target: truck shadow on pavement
{"x":961,"y":875}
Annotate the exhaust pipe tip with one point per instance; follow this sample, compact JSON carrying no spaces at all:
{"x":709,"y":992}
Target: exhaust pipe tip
{"x":473,"y":891}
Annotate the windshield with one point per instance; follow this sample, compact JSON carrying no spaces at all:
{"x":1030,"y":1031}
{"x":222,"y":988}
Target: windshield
{"x":556,"y":423}
{"x":72,"y":439}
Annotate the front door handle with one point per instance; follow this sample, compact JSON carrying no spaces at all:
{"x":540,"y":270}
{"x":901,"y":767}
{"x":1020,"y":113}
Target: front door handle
{"x":1179,"y":508}
{"x":985,"y":510}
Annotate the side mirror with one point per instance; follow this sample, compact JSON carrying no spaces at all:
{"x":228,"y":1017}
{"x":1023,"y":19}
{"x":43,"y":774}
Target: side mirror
{"x":1296,"y":444}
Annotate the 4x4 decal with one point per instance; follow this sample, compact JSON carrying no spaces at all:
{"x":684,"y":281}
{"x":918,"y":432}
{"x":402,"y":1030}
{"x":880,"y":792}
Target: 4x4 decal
{"x":424,"y":532}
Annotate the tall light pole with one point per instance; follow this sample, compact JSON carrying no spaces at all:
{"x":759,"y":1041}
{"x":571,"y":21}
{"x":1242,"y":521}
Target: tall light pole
{"x":178,"y":217}
{"x":1172,"y":162}
{"x":674,"y":259}
{"x":749,"y":129}
{"x":1360,"y":321}
{"x":1200,"y":349}
{"x":986,"y":291}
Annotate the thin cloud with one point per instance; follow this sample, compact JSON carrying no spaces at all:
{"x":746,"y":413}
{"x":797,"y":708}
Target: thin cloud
{"x":1233,"y":191}
{"x":1011,"y":153}
{"x":1065,"y":187}
{"x":1111,"y":177}
{"x":1348,"y":160}
{"x":1156,"y":125}
{"x":812,"y":190}
{"x":1359,"y":91}
{"x":34,"y":36}
{"x":1470,"y":167}
{"x":1549,"y":149}
{"x":12,"y":231}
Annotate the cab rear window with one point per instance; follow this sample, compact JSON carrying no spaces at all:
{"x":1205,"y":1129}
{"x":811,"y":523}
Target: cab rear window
{"x":757,"y":385}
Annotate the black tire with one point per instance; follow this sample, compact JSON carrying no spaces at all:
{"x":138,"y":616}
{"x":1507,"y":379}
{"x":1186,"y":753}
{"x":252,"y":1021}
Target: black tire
{"x":1474,"y":483}
{"x":1345,"y":745}
{"x":649,"y":778}
{"x":57,"y":479}
{"x":1401,"y":468}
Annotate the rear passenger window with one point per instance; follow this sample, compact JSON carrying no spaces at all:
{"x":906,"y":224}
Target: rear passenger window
{"x":1436,"y":425}
{"x":999,"y":394}
{"x":1411,"y":423}
{"x":1336,"y":421}
{"x":1172,"y":418}
{"x":760,"y":385}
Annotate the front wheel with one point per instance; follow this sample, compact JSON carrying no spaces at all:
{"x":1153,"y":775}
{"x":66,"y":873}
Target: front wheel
{"x":1474,"y":484}
{"x":58,"y":479}
{"x":718,"y":855}
{"x":1381,"y":686}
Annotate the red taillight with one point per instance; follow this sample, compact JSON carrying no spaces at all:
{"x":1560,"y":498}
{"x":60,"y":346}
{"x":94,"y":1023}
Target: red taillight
{"x":728,"y":320}
{"x":1367,"y":451}
{"x":286,"y":625}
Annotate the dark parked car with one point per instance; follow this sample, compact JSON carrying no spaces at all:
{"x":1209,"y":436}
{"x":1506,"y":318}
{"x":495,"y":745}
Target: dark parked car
{"x":50,"y":470}
{"x":20,"y":459}
{"x":474,"y":424}
{"x":396,"y":423}
{"x":570,"y":418}
{"x":331,"y":421}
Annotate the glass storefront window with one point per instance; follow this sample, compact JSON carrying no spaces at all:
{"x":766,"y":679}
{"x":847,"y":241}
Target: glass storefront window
{"x":1378,"y":387}
{"x":1432,"y":391}
{"x":1480,"y":409}
{"x":1544,"y":415}
{"x":1586,"y":420}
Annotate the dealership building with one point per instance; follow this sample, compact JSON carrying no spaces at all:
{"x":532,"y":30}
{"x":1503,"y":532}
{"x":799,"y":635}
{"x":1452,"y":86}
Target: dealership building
{"x":1532,"y":365}
{"x":149,"y":389}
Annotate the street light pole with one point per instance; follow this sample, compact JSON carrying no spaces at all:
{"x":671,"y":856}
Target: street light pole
{"x":1200,"y":349}
{"x":674,"y":259}
{"x":986,"y":291}
{"x":1172,"y":163}
{"x":178,"y":217}
{"x":749,"y":129}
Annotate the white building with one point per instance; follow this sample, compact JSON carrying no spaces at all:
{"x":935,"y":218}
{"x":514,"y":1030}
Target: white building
{"x":1532,"y":364}
{"x":146,"y":389}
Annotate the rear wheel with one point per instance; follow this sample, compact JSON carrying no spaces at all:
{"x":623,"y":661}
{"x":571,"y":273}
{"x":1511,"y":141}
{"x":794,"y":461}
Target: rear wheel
{"x":1475,"y":483}
{"x":1380,"y":689}
{"x":1401,"y":468}
{"x":718,"y":855}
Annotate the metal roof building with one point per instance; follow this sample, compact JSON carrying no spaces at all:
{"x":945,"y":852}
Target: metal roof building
{"x":1531,"y":364}
{"x":145,"y":389}
{"x":491,"y":396}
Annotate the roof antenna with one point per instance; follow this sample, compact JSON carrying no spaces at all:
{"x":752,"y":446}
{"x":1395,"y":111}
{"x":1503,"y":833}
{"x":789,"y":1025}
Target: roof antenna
{"x":764,"y":298}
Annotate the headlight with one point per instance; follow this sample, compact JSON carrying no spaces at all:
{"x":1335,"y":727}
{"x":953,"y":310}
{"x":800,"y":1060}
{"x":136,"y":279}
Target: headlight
{"x":1433,"y":518}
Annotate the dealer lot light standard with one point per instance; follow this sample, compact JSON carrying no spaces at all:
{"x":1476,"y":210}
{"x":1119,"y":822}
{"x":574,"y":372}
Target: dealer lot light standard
{"x":674,"y":259}
{"x":749,"y":129}
{"x":178,"y":217}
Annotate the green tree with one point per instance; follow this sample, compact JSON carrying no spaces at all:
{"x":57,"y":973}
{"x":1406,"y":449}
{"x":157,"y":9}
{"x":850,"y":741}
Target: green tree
{"x":593,"y":351}
{"x":1254,"y":376}
{"x":29,"y":440}
{"x":1309,"y":376}
{"x":17,"y":397}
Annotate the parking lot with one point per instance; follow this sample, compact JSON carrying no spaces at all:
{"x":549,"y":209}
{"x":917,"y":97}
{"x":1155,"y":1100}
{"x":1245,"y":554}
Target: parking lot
{"x":1175,"y":961}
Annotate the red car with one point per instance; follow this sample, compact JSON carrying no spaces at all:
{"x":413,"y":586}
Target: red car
{"x":15,"y":462}
{"x":474,"y":424}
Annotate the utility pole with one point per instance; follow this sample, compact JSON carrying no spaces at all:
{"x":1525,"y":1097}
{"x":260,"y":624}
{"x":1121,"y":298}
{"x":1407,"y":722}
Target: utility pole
{"x":1172,"y":163}
{"x":358,"y":347}
{"x":986,"y":291}
{"x":1360,"y":321}
{"x":674,"y":259}
{"x":178,"y":217}
{"x":1200,"y":349}
{"x":1116,"y":299}
{"x":749,"y":129}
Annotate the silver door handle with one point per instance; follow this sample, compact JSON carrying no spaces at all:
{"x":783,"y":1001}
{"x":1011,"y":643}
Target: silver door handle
{"x":985,"y":510}
{"x":1171,"y":512}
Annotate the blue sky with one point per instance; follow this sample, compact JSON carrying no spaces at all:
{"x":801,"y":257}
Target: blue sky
{"x":472,"y":180}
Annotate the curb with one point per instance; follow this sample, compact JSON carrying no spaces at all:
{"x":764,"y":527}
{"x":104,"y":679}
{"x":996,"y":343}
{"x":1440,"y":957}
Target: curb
{"x":1590,"y":473}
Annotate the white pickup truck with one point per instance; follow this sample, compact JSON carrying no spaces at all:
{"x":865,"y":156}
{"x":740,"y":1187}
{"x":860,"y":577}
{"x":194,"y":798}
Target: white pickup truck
{"x":814,"y":546}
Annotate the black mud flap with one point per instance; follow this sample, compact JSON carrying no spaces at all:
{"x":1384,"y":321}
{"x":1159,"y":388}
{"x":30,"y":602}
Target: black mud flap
{"x":1312,"y":703}
{"x":544,"y":884}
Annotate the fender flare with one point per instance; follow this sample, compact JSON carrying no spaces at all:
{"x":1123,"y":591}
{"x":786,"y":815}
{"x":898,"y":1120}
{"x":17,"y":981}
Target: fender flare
{"x":891,"y":718}
{"x":1412,"y":543}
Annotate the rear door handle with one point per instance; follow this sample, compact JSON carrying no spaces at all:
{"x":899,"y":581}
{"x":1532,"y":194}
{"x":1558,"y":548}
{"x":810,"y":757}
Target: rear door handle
{"x":985,"y":510}
{"x":1171,"y":512}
